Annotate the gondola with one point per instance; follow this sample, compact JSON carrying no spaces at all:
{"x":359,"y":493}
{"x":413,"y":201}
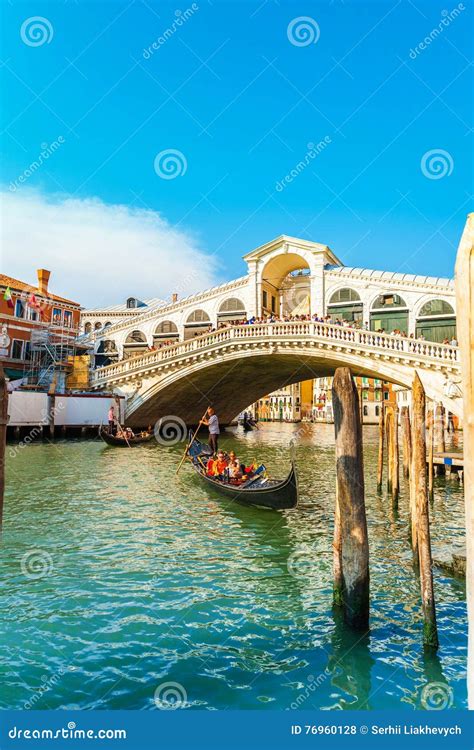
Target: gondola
{"x":265,"y":493}
{"x":121,"y":441}
{"x":248,"y":425}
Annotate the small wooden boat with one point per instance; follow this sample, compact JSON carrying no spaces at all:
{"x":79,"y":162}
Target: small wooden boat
{"x":248,"y":425}
{"x":121,"y":441}
{"x":279,"y":494}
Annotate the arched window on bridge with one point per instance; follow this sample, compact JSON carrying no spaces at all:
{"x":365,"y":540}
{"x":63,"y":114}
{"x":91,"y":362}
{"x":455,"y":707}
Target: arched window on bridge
{"x":436,"y":321}
{"x":106,"y":325}
{"x":106,"y":353}
{"x":97,"y":326}
{"x":345,"y":304}
{"x":231,"y":309}
{"x":165,"y":331}
{"x":88,"y":328}
{"x":198,"y":322}
{"x":135,"y":343}
{"x":389,"y":313}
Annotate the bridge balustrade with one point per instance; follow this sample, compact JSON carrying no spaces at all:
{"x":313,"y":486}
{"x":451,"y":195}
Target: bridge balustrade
{"x":292,"y":329}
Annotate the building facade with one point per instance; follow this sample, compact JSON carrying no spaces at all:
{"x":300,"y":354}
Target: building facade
{"x":31,"y":317}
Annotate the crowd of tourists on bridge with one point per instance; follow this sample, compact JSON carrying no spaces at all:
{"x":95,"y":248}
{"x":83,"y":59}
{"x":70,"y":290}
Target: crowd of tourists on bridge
{"x":272,"y":318}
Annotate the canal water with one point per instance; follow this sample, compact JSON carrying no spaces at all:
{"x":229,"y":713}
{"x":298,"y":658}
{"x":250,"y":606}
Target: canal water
{"x":119,"y":578}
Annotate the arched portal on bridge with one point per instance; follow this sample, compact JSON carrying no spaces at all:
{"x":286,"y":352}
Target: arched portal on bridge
{"x":197,"y":322}
{"x":231,"y":309}
{"x":286,"y":285}
{"x":106,"y":353}
{"x":165,"y":331}
{"x":436,"y":321}
{"x":346,"y":304}
{"x":134,"y":344}
{"x":389,"y":313}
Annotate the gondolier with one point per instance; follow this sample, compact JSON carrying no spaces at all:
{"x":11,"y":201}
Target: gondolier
{"x":111,"y":418}
{"x":212,"y":423}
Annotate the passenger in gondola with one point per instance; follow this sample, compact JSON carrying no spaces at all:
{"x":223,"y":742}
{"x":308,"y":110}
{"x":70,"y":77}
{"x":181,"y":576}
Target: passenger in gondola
{"x":211,"y":466}
{"x":221,"y":464}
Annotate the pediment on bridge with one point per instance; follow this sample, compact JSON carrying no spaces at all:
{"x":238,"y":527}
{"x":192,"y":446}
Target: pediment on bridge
{"x":284,"y":244}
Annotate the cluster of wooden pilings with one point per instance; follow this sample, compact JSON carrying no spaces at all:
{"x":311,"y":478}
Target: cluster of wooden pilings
{"x":351,"y":545}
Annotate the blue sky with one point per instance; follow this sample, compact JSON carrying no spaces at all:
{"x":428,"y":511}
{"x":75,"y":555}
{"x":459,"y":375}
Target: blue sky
{"x":240,"y":101}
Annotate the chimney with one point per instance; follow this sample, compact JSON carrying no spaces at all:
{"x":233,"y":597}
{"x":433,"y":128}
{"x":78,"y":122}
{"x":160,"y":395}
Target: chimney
{"x":174,"y":297}
{"x":43,"y":278}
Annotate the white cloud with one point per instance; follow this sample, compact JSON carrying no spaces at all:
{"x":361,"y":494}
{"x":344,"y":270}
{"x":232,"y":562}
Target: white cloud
{"x":100,"y":254}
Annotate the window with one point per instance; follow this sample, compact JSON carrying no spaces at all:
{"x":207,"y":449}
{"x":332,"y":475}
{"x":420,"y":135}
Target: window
{"x":365,"y":395}
{"x":344,"y":295}
{"x":365,"y":381}
{"x":27,"y":350}
{"x":132,"y":303}
{"x":273,"y":304}
{"x":231,"y":305}
{"x":17,"y":349}
{"x":385,"y":396}
{"x":166,"y":327}
{"x":264,"y":299}
{"x":388,"y":300}
{"x":57,"y":316}
{"x":19,"y":309}
{"x":366,"y":411}
{"x":68,"y":318}
{"x":377,"y":411}
{"x":198,"y":316}
{"x":436,"y":307}
{"x":378,"y":395}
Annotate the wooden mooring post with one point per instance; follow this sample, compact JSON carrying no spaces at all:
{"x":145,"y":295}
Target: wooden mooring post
{"x":406,"y":440}
{"x":3,"y":435}
{"x":430,"y":631}
{"x":430,"y":431}
{"x":393,"y":455}
{"x":465,"y":333}
{"x":439,"y":416}
{"x":381,"y":448}
{"x":352,"y":547}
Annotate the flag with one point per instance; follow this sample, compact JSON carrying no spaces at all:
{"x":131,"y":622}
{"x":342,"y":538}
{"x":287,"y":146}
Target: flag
{"x":8,"y":297}
{"x":33,"y":302}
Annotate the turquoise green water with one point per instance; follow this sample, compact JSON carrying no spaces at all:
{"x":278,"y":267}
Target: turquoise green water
{"x":119,"y":578}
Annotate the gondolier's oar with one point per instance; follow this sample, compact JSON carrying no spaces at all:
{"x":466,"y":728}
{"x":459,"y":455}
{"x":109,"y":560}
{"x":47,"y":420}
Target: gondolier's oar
{"x":123,"y":433}
{"x":191,"y":442}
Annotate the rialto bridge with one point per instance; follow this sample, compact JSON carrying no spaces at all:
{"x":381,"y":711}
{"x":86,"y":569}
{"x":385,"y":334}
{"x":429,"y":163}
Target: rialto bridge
{"x":234,"y":366}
